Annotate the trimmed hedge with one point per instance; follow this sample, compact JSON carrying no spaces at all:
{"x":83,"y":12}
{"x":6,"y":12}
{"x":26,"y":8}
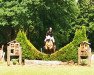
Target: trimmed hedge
{"x":69,"y":52}
{"x":66,"y":53}
{"x":28,"y":50}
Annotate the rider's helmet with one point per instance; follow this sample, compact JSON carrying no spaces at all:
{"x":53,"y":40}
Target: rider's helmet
{"x":50,"y":28}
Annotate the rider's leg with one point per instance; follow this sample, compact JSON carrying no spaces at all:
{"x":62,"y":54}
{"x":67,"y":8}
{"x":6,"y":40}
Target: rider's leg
{"x":52,"y":38}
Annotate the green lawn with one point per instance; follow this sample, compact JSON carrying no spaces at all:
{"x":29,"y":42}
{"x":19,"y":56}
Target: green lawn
{"x":46,"y":70}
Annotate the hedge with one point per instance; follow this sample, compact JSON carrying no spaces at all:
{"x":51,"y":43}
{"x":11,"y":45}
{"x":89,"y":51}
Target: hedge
{"x":66,"y":53}
{"x":28,"y":50}
{"x":69,"y":52}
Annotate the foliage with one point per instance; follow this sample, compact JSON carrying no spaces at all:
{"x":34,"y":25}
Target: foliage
{"x":69,"y":52}
{"x":15,"y":61}
{"x":86,"y":17}
{"x":57,"y":15}
{"x":28,"y":50}
{"x":84,"y":63}
{"x":35,"y":16}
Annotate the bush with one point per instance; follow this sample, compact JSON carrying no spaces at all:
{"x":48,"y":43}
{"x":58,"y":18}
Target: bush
{"x":15,"y":61}
{"x":83,"y":63}
{"x":66,"y":53}
{"x":69,"y":52}
{"x":28,"y":50}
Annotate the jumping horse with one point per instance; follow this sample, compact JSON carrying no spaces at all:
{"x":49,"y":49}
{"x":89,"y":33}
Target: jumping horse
{"x":49,"y":46}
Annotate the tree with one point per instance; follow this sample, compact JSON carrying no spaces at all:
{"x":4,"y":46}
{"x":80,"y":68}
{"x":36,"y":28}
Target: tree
{"x":58,"y":15}
{"x":35,"y":16}
{"x":86,"y":17}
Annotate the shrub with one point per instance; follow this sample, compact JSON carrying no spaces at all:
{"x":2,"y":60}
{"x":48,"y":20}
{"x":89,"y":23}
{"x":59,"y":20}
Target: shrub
{"x":15,"y":61}
{"x":83,"y":62}
{"x":66,"y":53}
{"x":69,"y":52}
{"x":28,"y":50}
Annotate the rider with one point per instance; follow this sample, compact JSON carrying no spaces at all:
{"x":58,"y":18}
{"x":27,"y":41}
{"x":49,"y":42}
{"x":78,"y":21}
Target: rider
{"x":49,"y":35}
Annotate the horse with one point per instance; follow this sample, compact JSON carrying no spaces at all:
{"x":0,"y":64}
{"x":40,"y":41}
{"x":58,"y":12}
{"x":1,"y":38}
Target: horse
{"x":49,"y":46}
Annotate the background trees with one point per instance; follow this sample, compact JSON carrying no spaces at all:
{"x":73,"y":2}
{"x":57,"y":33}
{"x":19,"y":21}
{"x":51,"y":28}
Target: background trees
{"x":86,"y":17}
{"x":36,"y":16}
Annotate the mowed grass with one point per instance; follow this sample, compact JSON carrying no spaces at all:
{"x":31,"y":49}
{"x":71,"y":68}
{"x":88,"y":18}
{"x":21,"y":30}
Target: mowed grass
{"x":46,"y":70}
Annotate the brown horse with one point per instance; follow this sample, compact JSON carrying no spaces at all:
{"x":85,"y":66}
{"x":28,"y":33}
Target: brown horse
{"x":49,"y":46}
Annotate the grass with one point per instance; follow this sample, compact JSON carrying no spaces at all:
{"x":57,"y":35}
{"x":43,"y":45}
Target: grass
{"x":46,"y":70}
